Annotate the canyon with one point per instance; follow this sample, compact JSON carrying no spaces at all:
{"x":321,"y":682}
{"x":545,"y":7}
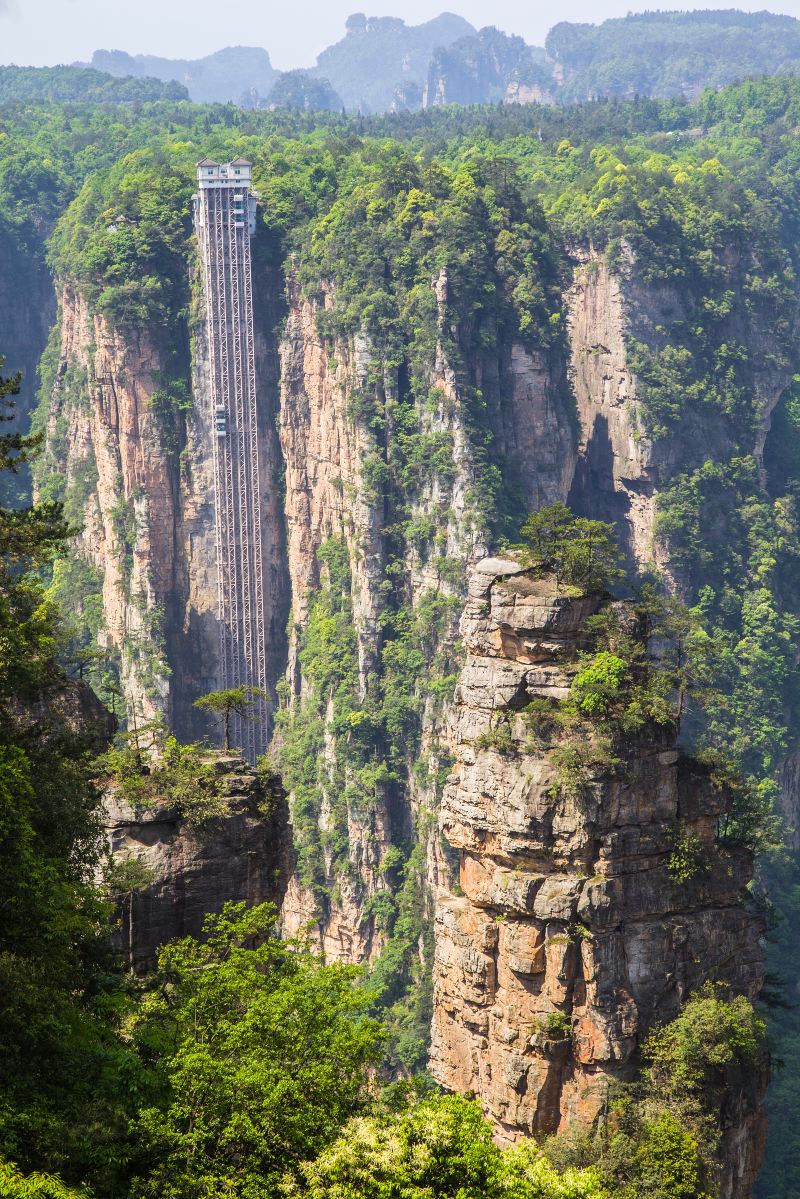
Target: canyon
{"x":527,"y":906}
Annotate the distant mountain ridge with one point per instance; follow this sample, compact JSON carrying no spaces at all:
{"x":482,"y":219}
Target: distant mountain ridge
{"x":666,"y":54}
{"x":379,"y":54}
{"x":384,"y":65}
{"x":227,"y":75}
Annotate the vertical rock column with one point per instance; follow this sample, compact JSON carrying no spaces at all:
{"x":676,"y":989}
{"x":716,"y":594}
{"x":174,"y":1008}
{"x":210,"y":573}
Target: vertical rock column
{"x":567,"y":938}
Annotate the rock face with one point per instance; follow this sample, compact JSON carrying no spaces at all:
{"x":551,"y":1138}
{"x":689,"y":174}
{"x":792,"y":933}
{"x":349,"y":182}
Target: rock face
{"x":331,"y":452}
{"x":488,"y":67}
{"x":615,"y":476}
{"x":74,"y":707}
{"x":190,"y":871}
{"x":563,"y":427}
{"x":567,"y":938}
{"x":112,"y":455}
{"x":619,"y":469}
{"x":137,"y":474}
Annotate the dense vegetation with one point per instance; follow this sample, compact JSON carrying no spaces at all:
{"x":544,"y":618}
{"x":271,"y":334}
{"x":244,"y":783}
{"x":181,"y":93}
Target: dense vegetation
{"x":702,"y":198}
{"x":299,"y":89}
{"x":81,"y":84}
{"x":671,"y":53}
{"x":60,"y":1056}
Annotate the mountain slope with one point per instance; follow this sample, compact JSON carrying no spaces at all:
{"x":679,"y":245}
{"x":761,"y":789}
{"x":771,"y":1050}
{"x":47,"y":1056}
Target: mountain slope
{"x":83,"y":84}
{"x":227,"y":75}
{"x":670,"y":53}
{"x":380,"y":54}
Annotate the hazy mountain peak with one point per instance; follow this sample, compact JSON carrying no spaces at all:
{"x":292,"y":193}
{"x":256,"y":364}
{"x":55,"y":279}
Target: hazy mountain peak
{"x":218,"y":77}
{"x":382,"y":64}
{"x":378,"y":53}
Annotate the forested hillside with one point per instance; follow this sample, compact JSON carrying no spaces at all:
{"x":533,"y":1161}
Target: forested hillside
{"x":670,"y":53}
{"x":81,"y":84}
{"x":464,"y":316}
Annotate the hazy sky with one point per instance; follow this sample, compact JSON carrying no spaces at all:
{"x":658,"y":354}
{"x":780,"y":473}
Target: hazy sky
{"x":39,"y":32}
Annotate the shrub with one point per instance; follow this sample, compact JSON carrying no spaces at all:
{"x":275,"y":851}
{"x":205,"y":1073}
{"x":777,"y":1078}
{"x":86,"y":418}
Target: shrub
{"x":439,"y":1148}
{"x":262,"y":1054}
{"x":709,"y":1035}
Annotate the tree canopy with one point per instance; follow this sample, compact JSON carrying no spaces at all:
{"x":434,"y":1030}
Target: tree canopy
{"x":261,"y":1051}
{"x":575,"y":550}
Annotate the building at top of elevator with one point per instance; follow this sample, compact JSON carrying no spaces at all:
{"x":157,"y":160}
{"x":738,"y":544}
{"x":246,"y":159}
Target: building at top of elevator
{"x":224,"y":174}
{"x":233,"y":179}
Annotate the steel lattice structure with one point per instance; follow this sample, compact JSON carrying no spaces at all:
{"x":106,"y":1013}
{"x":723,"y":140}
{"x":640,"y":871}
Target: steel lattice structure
{"x":224,"y":219}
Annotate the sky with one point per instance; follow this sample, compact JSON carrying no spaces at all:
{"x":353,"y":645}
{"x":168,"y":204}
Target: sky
{"x":44,"y":32}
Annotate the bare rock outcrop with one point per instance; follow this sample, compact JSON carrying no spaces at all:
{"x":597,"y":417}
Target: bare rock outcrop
{"x":104,"y":437}
{"x":567,"y":937}
{"x":189,"y":870}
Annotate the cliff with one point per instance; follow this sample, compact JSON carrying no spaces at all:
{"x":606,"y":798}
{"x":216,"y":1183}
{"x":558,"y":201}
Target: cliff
{"x":104,"y":442}
{"x":185,"y":869}
{"x":343,"y":410}
{"x":619,"y":324}
{"x":348,"y":458}
{"x":129,"y":451}
{"x":393,"y":460}
{"x":569,"y":935}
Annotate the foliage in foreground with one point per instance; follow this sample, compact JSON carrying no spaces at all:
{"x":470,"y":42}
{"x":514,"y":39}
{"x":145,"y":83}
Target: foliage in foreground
{"x":656,"y":1142}
{"x":64,"y":1074}
{"x":260,"y":1052}
{"x":660,"y":1136}
{"x":440,"y":1148}
{"x":16,"y":1185}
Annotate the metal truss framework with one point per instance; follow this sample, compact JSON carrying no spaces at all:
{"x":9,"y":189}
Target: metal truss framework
{"x":221,"y":214}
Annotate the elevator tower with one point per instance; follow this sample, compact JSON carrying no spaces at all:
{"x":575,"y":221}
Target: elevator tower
{"x":224,"y":213}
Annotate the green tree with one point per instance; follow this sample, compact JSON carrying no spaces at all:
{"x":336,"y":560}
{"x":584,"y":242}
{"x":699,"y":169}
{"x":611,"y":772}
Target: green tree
{"x":234,"y":701}
{"x":126,"y":878}
{"x":15,"y":1185}
{"x":66,"y":1081}
{"x":682,"y":647}
{"x":600,"y":683}
{"x":440,"y":1148}
{"x":576,"y":550}
{"x":712,"y":1033}
{"x":261,"y":1051}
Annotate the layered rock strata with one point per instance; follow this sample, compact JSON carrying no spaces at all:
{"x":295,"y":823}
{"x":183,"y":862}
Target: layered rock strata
{"x":567,"y":937}
{"x":186,"y":871}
